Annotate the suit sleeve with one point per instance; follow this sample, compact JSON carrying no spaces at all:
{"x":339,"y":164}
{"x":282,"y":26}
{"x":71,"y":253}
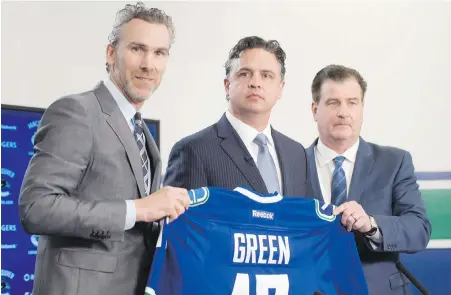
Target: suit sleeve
{"x":48,"y":204}
{"x":409,"y":229}
{"x":185,"y":168}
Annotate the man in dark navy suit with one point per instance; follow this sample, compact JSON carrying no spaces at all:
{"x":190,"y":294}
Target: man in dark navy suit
{"x":374,"y":187}
{"x":243,"y":149}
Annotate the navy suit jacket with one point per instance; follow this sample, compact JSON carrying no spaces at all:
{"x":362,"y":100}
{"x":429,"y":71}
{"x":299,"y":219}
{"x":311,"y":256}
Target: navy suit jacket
{"x":216,"y":156}
{"x":384,"y":183}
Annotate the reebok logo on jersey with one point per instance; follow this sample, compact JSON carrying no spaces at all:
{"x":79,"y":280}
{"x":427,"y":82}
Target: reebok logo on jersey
{"x":262,"y":214}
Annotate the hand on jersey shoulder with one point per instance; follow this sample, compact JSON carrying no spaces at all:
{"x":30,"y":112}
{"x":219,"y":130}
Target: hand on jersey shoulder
{"x":354,"y":217}
{"x":168,"y":201}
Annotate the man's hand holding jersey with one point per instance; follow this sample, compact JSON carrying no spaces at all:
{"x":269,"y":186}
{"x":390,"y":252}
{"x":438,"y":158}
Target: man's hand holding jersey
{"x":168,"y":201}
{"x":354,"y":217}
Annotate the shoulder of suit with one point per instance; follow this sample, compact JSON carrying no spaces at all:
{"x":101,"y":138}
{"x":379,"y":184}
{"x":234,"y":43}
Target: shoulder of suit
{"x":282,"y":139}
{"x":386,"y":150}
{"x":85,"y":100}
{"x":202,"y":137}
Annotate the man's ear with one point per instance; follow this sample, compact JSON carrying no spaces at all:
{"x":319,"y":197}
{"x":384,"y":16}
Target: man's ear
{"x":110,"y":54}
{"x":226,"y":86}
{"x":281,"y":85}
{"x":314,"y":110}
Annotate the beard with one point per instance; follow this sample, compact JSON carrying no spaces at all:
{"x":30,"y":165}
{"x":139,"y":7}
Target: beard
{"x":134,"y":96}
{"x":126,"y":87}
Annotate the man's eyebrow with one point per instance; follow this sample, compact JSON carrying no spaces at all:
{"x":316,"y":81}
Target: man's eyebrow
{"x":142,"y":45}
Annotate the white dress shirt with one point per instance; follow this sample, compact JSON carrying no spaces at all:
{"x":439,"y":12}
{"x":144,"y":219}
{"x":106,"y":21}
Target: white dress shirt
{"x":248,"y":134}
{"x":325,"y":166}
{"x":129,"y":111}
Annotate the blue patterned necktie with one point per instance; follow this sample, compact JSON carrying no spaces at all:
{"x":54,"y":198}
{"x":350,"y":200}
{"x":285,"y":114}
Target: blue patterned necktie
{"x":265,"y":164}
{"x":338,"y":182}
{"x":141,"y":141}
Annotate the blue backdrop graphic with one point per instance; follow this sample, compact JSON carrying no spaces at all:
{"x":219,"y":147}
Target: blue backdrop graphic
{"x":19,"y":248}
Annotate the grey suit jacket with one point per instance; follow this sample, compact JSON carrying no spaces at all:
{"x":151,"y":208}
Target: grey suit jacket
{"x":216,"y":156}
{"x":384,"y":183}
{"x":86,"y":163}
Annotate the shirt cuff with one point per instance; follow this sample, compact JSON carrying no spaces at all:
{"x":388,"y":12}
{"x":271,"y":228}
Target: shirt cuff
{"x":130,"y":217}
{"x":376,"y":239}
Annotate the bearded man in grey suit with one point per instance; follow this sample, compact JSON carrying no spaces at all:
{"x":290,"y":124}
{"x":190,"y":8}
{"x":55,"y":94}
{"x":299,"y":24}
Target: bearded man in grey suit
{"x":92,"y":188}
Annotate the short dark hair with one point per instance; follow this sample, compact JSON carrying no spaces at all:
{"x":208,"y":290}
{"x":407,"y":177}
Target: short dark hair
{"x":337,"y":73}
{"x":139,"y":11}
{"x":252,"y":42}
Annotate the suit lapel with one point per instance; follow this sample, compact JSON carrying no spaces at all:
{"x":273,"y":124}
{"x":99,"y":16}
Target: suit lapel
{"x":155,"y":156}
{"x":234,"y":147}
{"x":120,"y":127}
{"x":362,"y":168}
{"x":313,"y":171}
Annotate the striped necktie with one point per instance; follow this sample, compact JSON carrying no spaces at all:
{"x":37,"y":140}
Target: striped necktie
{"x":141,"y":141}
{"x":338,"y":182}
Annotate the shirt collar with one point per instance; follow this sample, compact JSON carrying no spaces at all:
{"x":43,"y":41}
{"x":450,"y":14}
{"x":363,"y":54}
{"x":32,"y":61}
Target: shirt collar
{"x":326,"y":154}
{"x":248,"y":133}
{"x":127,"y":109}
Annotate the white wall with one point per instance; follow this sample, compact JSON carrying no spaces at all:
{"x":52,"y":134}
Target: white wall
{"x":50,"y":49}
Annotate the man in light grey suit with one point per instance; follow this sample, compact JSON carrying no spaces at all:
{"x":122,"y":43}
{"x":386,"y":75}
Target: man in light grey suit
{"x":373,"y":186}
{"x":91,"y":191}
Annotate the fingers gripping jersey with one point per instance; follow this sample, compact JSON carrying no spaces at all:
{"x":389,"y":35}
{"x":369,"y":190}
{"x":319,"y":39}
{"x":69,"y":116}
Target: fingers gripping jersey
{"x":242,"y":243}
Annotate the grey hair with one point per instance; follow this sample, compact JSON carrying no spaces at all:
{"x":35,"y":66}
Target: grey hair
{"x":337,"y":73}
{"x":139,"y":11}
{"x":252,"y":42}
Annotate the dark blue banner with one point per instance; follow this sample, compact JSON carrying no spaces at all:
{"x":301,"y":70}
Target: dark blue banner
{"x":19,"y":248}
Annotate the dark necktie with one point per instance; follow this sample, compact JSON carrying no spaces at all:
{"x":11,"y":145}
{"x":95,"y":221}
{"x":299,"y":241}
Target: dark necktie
{"x":141,"y":141}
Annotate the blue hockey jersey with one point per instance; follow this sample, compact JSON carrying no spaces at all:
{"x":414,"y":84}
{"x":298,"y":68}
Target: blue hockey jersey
{"x":243,"y":243}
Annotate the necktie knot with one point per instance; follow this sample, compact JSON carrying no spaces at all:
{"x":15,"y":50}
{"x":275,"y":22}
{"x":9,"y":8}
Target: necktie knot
{"x":137,"y":118}
{"x":339,"y":161}
{"x":261,"y":140}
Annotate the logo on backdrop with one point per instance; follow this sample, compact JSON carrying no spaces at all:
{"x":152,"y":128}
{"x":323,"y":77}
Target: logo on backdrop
{"x":6,"y":277}
{"x":32,"y":139}
{"x":9,"y":127}
{"x":7,"y":176}
{"x":6,"y":288}
{"x":9,"y":227}
{"x":9,"y":246}
{"x":9,"y":145}
{"x":33,"y":125}
{"x":34,"y":240}
{"x":28,"y":277}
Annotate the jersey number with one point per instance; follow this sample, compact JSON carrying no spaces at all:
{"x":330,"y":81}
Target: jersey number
{"x":263,"y":284}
